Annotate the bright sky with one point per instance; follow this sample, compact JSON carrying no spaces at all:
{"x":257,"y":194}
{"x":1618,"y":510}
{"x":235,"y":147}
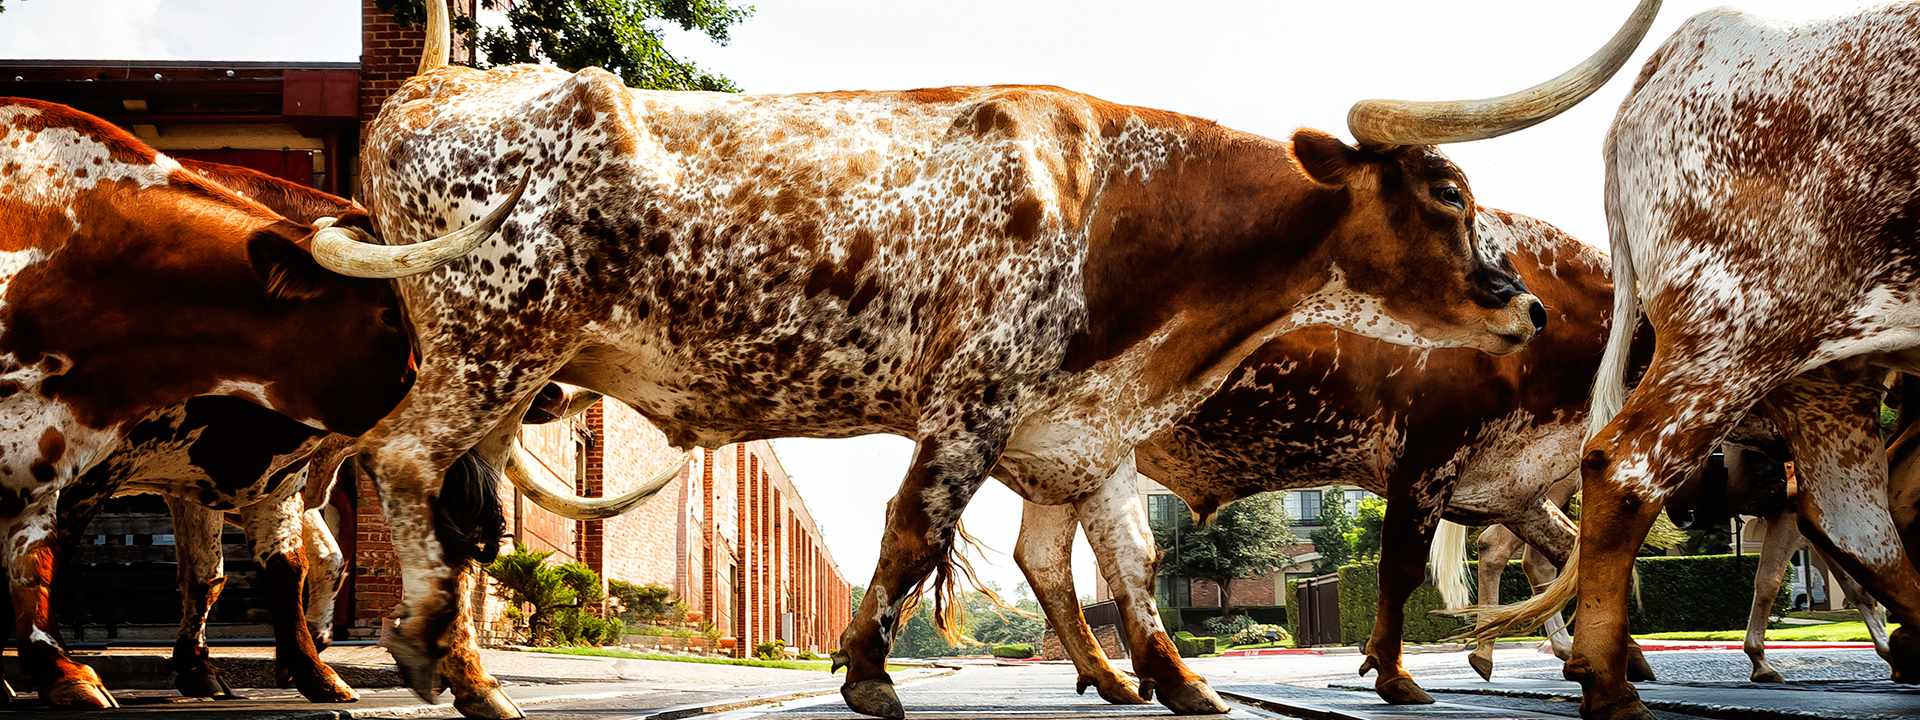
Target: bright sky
{"x":1265,"y":66}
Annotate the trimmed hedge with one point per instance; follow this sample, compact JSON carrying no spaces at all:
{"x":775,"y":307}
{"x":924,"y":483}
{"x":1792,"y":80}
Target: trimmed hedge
{"x":1191,"y":645}
{"x":1016,"y":651}
{"x":1697,"y":592}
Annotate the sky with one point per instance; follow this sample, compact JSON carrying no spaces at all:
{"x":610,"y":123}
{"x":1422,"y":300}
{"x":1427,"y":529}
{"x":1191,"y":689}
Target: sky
{"x":1264,"y":66}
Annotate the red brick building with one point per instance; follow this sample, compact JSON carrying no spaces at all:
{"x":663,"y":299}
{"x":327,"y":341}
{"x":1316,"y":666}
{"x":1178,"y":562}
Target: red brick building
{"x":730,"y":536}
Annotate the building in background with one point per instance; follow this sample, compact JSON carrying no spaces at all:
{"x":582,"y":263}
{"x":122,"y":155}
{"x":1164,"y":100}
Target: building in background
{"x":730,"y":536}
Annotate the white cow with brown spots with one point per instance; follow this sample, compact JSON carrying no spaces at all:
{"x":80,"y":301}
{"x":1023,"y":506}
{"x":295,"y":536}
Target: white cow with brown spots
{"x":1765,"y":215}
{"x":1027,"y":280}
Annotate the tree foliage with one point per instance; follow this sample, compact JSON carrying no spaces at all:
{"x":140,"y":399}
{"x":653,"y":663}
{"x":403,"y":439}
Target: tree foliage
{"x":557,"y":593}
{"x":1331,"y":539}
{"x":621,"y":36}
{"x":1247,"y":538}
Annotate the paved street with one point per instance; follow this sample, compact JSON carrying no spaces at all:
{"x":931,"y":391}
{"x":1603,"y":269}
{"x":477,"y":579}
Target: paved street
{"x":1831,"y":684}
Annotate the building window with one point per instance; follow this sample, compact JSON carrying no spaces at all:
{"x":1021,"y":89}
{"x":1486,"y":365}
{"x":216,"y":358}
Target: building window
{"x":1353,"y":499}
{"x":1309,"y":506}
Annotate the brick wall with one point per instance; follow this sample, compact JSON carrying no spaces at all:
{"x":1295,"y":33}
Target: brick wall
{"x":641,"y":545}
{"x":1246,"y":591}
{"x":390,"y":53}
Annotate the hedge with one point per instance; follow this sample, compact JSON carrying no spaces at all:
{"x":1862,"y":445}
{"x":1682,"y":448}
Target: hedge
{"x":1191,"y":645}
{"x":1016,"y":651}
{"x":1697,"y":592}
{"x":1194,"y":618}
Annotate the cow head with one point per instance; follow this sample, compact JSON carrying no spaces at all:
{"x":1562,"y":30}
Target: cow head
{"x":331,"y":284}
{"x":1408,"y":240}
{"x":1409,"y":237}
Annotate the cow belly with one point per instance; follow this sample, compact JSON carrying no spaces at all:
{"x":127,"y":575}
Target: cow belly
{"x":1513,"y":463}
{"x":220,"y":452}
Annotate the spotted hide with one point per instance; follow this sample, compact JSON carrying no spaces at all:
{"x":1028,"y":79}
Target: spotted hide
{"x":1475,"y":438}
{"x":159,"y":333}
{"x":1025,"y":279}
{"x":1762,"y":200}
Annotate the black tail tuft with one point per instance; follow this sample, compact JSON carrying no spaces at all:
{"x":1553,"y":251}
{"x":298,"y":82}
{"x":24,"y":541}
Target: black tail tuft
{"x":467,"y":517}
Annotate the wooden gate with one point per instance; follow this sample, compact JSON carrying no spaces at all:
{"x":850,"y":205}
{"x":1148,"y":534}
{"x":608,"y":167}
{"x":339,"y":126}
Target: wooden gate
{"x":1317,"y":600}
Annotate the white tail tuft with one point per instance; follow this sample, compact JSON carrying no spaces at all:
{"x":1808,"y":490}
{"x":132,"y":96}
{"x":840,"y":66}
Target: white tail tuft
{"x":1447,"y":561}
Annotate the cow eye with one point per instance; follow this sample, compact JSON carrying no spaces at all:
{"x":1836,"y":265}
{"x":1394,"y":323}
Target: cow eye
{"x":1450,"y":194}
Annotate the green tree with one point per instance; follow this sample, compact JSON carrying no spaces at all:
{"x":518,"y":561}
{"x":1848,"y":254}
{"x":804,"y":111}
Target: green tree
{"x":1369,"y":523}
{"x":1331,"y":539}
{"x":998,"y":626}
{"x":1247,"y":538}
{"x":621,"y":36}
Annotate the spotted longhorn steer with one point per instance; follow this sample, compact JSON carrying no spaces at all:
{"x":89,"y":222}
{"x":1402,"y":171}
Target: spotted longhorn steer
{"x":1765,"y":216}
{"x":159,"y":333}
{"x":1475,"y":438}
{"x":1027,"y":280}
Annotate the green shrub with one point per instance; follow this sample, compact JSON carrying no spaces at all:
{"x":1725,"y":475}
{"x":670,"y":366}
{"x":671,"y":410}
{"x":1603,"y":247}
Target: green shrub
{"x":771,"y":650}
{"x":1226,"y":626}
{"x":647,"y":603}
{"x":1259,"y":635}
{"x":1191,"y":645}
{"x":1697,"y":592}
{"x":1017,"y":651}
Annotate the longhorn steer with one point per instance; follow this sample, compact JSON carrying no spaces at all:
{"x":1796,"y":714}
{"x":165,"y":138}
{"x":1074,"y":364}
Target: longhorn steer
{"x":159,"y":333}
{"x":1472,"y":437}
{"x":1027,"y":280}
{"x":1762,"y":199}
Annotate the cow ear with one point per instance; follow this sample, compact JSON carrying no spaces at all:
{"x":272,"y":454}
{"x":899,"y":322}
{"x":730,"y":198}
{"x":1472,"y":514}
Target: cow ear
{"x":284,"y":265}
{"x":1326,"y":159}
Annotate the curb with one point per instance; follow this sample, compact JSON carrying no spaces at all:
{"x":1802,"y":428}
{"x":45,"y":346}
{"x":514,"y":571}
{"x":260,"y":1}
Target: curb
{"x":1310,"y":712}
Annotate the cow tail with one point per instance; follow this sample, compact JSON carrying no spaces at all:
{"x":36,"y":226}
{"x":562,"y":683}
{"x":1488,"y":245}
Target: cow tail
{"x":437,"y":50}
{"x":1610,"y":384}
{"x":954,"y":568}
{"x":1447,"y":560}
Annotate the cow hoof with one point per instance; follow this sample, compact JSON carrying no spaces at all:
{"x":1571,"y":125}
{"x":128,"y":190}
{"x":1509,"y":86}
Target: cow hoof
{"x":1112,"y":689}
{"x":1193,"y":698}
{"x":1482,"y":664}
{"x":326,"y":687}
{"x":873,"y":697}
{"x":205,"y":683}
{"x":1637,"y":668}
{"x":495,"y":705}
{"x":1631,"y":709}
{"x":1904,"y":655}
{"x":840,"y":660}
{"x":78,"y":693}
{"x":1402,"y":691}
{"x":1767,"y":676}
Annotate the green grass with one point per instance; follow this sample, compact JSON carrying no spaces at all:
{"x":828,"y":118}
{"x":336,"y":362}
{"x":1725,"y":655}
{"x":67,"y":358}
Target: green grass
{"x":1258,"y":646}
{"x":1855,"y":631}
{"x":1825,"y":615}
{"x":818,"y":665}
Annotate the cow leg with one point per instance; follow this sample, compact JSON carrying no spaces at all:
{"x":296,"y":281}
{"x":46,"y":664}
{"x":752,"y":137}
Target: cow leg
{"x":440,"y":528}
{"x":1870,"y":609}
{"x":1832,"y":430}
{"x":274,"y":528}
{"x":196,"y":545}
{"x":1540,"y":572}
{"x":1115,"y":519}
{"x":1404,"y":541}
{"x":1496,"y":546}
{"x":476,"y":694}
{"x":1045,"y":555}
{"x":30,"y":559}
{"x":1641,"y":455}
{"x":326,"y":570}
{"x":922,"y":519}
{"x":1782,"y":539}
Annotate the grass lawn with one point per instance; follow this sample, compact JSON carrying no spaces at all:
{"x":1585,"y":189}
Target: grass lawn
{"x":818,"y":665}
{"x":1258,"y":646}
{"x":1854,"y":631}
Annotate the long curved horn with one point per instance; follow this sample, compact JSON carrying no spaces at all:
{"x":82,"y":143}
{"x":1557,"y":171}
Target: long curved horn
{"x":343,"y":250}
{"x":436,"y":50}
{"x":562,"y":501}
{"x":1401,"y":122}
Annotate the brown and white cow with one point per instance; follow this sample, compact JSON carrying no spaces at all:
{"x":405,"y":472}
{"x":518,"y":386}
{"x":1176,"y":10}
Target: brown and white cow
{"x":1471,"y":437}
{"x":1765,"y":217}
{"x":159,"y":333}
{"x":1027,"y":280}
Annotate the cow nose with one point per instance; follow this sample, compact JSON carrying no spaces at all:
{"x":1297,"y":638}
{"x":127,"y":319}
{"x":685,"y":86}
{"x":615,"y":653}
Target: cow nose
{"x":1537,"y":312}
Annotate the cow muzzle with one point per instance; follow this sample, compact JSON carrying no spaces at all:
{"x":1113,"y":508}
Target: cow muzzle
{"x":1515,"y":324}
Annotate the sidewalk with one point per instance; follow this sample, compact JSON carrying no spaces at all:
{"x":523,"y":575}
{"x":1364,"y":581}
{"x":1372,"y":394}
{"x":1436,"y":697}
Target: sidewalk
{"x":1646,"y":645}
{"x":656,"y":689}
